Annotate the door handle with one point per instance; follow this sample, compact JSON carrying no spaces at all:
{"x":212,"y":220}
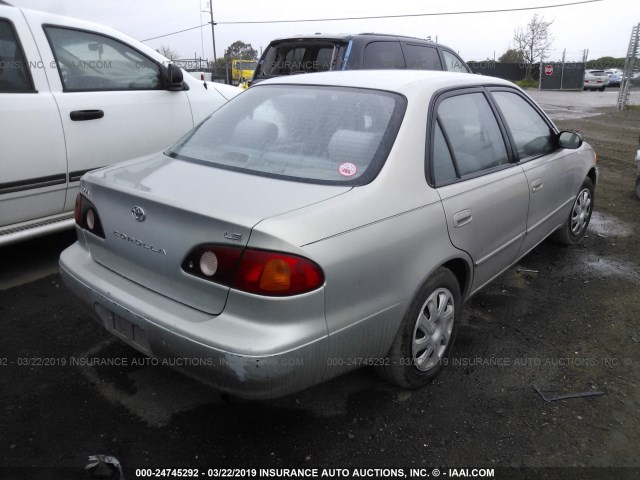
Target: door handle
{"x":462,"y":218}
{"x":81,"y":115}
{"x":536,"y":185}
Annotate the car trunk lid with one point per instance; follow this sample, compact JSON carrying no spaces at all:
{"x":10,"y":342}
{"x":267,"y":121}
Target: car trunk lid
{"x":155,"y":211}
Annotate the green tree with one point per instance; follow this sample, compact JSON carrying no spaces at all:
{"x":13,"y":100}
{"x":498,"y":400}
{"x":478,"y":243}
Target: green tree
{"x":606,"y":62}
{"x":241,"y":51}
{"x":512,"y":55}
{"x":533,"y":41}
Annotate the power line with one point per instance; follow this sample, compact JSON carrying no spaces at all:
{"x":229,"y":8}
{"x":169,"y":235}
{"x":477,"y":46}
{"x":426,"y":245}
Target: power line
{"x":470,"y":12}
{"x":173,"y":33}
{"x":411,"y":14}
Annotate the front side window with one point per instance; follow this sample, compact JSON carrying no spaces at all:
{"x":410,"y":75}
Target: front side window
{"x":453,"y":63}
{"x":383,"y":55}
{"x":421,"y":57}
{"x":315,"y":134}
{"x":90,"y":62}
{"x":473,"y":133}
{"x":14,"y":73}
{"x":531,"y":134}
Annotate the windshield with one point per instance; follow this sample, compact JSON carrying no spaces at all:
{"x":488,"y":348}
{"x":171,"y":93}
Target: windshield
{"x":318,"y":134}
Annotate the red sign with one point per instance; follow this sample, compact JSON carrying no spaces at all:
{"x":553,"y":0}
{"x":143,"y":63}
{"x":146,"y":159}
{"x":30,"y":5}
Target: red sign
{"x":548,"y":69}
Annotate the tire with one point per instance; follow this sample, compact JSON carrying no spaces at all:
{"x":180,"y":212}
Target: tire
{"x":601,"y":89}
{"x":576,"y":225}
{"x":427,"y":333}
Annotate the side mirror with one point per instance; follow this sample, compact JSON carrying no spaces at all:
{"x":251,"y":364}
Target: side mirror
{"x":570,"y":140}
{"x":173,"y":78}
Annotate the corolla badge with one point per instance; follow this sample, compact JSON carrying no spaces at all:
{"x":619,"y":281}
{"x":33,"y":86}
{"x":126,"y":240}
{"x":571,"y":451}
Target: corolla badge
{"x":138,"y":214}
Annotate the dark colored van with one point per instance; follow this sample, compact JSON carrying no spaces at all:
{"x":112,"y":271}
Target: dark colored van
{"x":363,"y":51}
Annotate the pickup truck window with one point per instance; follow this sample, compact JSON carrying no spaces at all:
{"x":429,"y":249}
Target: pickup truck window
{"x":90,"y":62}
{"x":14,"y":73}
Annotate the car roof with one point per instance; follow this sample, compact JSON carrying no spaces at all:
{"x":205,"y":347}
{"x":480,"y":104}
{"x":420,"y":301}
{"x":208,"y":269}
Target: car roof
{"x":392,"y":80}
{"x":349,"y":36}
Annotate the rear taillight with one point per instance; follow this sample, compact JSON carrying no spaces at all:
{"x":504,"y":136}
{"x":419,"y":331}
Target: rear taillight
{"x":255,"y":271}
{"x":87,"y":216}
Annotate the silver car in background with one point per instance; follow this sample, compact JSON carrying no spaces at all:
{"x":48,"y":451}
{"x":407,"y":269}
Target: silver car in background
{"x":323,"y":222}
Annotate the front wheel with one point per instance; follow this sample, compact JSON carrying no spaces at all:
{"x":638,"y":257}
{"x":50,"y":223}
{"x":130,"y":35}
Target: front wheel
{"x":576,"y":225}
{"x":426,"y":334}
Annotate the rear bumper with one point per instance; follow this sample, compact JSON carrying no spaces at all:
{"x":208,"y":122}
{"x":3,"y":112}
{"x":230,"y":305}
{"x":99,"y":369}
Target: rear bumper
{"x":246,"y":351}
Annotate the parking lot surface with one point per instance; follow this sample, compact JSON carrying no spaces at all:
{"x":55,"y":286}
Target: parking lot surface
{"x":563,"y":321}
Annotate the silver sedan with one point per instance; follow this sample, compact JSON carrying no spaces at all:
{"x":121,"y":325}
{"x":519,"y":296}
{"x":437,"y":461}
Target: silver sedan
{"x":320,"y":223}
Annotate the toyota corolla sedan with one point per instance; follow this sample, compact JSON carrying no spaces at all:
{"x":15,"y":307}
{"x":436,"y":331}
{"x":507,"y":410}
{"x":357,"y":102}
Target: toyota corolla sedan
{"x":319,"y":223}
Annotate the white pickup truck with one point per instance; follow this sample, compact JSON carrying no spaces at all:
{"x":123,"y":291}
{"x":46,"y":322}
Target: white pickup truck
{"x":75,"y":96}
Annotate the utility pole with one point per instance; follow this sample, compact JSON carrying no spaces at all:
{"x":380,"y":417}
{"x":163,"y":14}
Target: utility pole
{"x":213,"y":33}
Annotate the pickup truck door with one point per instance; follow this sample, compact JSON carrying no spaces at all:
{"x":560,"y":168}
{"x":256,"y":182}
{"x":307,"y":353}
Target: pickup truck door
{"x":33,"y":162}
{"x":111,"y":98}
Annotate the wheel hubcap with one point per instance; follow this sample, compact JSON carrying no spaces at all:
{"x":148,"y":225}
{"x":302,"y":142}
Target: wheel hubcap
{"x":432,"y":330}
{"x":581,"y":212}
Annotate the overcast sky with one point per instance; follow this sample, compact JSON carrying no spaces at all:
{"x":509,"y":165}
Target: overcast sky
{"x":603,"y":27}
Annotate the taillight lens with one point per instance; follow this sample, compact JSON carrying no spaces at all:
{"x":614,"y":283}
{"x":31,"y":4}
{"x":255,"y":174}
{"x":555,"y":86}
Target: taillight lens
{"x":260,"y":272}
{"x":87,"y":217}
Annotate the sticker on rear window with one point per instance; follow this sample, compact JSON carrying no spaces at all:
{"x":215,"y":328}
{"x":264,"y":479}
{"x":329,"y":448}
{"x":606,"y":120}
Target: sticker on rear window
{"x":347,"y":169}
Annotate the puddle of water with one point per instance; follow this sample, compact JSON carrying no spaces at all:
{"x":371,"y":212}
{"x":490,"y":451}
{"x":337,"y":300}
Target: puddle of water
{"x":608,"y":226}
{"x":613,"y":268}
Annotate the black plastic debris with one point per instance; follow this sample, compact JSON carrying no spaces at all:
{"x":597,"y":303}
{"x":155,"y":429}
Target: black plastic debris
{"x":104,"y":466}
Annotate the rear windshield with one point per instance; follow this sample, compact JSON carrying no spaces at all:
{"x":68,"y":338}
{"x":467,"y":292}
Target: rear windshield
{"x":297,"y":57}
{"x":317,"y":134}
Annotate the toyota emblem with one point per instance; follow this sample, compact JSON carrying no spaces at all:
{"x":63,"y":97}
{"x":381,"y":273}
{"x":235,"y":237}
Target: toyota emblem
{"x":138,"y":214}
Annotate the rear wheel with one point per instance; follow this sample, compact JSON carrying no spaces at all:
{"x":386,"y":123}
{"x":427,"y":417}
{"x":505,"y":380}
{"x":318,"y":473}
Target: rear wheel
{"x":426,"y":334}
{"x":601,"y":88}
{"x":579,"y":216}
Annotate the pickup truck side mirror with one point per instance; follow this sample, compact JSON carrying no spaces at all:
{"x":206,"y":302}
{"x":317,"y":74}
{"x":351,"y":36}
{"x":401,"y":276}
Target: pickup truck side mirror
{"x":173,"y":78}
{"x":570,"y":140}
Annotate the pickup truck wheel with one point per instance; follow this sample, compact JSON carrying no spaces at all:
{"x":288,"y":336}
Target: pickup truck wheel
{"x":426,"y":334}
{"x":579,"y":216}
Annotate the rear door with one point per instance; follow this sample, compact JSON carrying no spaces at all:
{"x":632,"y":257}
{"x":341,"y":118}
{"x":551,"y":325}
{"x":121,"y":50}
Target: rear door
{"x":110,"y":96}
{"x":33,"y":163}
{"x":484,"y":195}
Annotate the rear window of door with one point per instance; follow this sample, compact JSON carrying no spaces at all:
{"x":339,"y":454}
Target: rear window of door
{"x":14,"y":72}
{"x":421,"y":57}
{"x":471,"y":138}
{"x":382,"y":55}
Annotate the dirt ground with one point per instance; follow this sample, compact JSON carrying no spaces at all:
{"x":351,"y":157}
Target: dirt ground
{"x":566,"y":320}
